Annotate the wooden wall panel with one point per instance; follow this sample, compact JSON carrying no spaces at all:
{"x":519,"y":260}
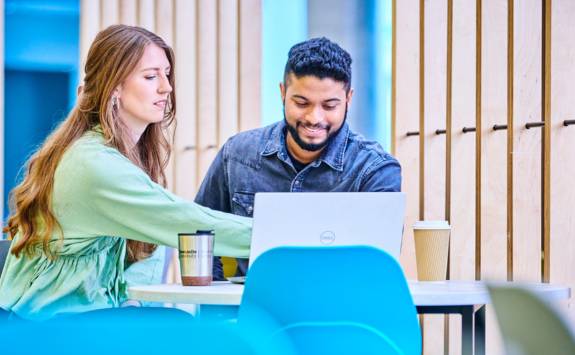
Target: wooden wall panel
{"x":165,"y":28}
{"x":463,"y":144}
{"x":218,"y":59}
{"x":165,"y":21}
{"x":462,"y":194}
{"x":207,"y":90}
{"x":110,"y":12}
{"x":129,"y":12}
{"x":527,"y":142}
{"x":563,"y":146}
{"x":90,"y":25}
{"x":494,"y":143}
{"x":523,"y":194}
{"x":228,"y":74}
{"x":146,"y":12}
{"x":184,"y":150}
{"x":494,"y":155}
{"x":435,"y":50}
{"x":250,"y":57}
{"x":407,"y":120}
{"x":435,"y":110}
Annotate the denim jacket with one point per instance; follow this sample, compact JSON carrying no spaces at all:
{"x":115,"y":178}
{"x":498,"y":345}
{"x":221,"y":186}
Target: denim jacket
{"x":258,"y":161}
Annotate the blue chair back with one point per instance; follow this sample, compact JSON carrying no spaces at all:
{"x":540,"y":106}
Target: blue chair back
{"x":4,"y":249}
{"x":348,"y":299}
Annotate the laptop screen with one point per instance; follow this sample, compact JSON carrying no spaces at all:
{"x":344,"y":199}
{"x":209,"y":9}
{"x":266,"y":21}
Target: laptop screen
{"x":328,"y":219}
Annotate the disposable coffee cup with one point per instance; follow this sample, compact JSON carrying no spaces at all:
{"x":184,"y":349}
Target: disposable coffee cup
{"x":431,"y":249}
{"x":196,"y":252}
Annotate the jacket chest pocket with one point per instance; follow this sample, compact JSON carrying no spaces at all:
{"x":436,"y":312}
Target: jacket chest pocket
{"x":243,"y":203}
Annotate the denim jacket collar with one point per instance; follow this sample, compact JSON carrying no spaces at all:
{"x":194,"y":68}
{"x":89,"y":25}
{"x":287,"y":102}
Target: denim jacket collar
{"x":332,"y":155}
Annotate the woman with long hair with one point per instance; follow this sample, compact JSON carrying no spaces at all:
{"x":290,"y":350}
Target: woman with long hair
{"x":93,"y":198}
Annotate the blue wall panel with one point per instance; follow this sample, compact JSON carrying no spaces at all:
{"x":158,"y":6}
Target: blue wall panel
{"x":41,"y":66}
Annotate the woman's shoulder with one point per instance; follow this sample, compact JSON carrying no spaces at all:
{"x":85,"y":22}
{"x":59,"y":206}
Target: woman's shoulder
{"x":91,"y":144}
{"x":89,"y":156}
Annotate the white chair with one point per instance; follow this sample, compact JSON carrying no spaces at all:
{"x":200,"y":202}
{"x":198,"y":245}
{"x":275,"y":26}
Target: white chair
{"x":529,"y":326}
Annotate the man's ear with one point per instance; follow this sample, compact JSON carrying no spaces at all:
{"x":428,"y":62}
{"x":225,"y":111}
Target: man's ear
{"x":282,"y":91}
{"x":349,"y":96}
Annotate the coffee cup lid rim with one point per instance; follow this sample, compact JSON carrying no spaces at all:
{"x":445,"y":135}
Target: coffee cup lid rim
{"x":431,"y":225}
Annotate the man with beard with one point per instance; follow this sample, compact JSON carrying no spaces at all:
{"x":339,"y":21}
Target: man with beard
{"x":312,"y":149}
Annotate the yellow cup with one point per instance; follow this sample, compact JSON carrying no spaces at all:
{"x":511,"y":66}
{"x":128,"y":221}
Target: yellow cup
{"x":431,"y":249}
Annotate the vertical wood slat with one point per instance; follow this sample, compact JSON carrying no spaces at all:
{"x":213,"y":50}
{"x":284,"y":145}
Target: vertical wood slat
{"x":494,"y":143}
{"x":461,"y":112}
{"x":421,"y":109}
{"x":206,"y":96}
{"x":250,"y":55}
{"x":463,"y":145}
{"x":448,"y":154}
{"x":184,"y":152}
{"x":227,"y":70}
{"x":478,"y":133}
{"x":562,"y":162}
{"x":129,"y":12}
{"x":546,"y":142}
{"x":406,"y":57}
{"x":435,"y":47}
{"x":493,"y":154}
{"x":185,"y":145}
{"x":146,"y":12}
{"x":164,"y":13}
{"x":527,"y":142}
{"x":510,"y":135}
{"x":422,"y":135}
{"x":90,"y":25}
{"x":448,"y":108}
{"x":110,"y":13}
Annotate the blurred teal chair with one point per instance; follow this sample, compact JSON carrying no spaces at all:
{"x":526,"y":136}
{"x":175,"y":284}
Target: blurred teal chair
{"x":529,"y":326}
{"x":332,"y":300}
{"x":135,"y":330}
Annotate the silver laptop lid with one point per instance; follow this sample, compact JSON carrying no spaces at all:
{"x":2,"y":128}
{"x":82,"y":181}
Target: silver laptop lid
{"x":327,"y":219}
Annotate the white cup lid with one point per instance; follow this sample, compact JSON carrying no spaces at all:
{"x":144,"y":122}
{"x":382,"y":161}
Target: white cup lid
{"x":431,"y":225}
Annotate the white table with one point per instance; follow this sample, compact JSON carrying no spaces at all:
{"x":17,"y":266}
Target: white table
{"x":467,"y":298}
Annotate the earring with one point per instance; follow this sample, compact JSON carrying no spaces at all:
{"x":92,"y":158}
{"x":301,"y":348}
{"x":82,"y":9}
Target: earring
{"x":115,"y":102}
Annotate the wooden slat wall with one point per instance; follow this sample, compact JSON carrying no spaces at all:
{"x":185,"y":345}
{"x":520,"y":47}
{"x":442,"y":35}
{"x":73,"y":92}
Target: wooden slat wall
{"x":562,"y":146}
{"x":217,"y":45}
{"x":517,"y":179}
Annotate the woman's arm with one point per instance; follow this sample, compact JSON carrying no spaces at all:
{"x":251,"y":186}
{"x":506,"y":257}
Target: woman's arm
{"x":101,"y":192}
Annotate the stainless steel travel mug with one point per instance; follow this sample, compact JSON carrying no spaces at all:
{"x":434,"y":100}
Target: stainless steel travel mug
{"x":196,"y":251}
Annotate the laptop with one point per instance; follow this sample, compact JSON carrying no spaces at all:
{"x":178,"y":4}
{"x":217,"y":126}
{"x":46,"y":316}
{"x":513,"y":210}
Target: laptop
{"x":327,"y":219}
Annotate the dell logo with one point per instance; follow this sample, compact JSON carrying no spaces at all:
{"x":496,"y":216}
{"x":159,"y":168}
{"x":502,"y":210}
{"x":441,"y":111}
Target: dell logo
{"x":327,"y":237}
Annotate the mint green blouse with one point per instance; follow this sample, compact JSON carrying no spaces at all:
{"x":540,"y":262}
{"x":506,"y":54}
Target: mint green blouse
{"x":100,"y":198}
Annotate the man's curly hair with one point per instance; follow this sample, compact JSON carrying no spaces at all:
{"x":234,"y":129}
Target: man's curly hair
{"x":321,"y":58}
